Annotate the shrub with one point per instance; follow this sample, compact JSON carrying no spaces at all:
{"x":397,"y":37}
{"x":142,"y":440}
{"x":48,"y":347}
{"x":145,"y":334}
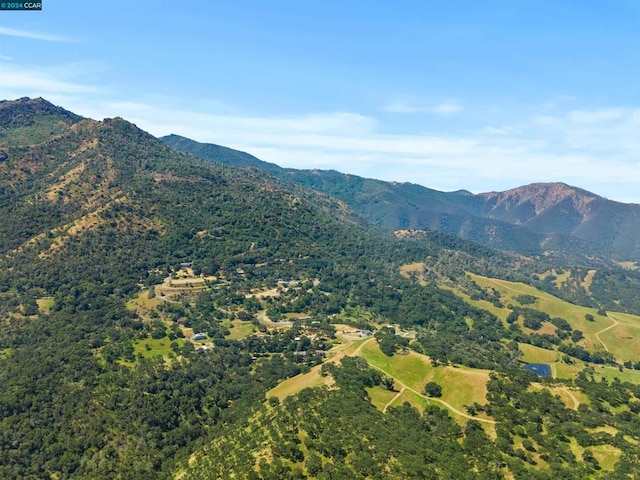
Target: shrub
{"x":432,"y":389}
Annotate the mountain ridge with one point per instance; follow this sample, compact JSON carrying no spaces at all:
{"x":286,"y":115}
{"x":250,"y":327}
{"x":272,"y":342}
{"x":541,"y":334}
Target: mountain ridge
{"x":531,"y":219}
{"x":24,"y":110}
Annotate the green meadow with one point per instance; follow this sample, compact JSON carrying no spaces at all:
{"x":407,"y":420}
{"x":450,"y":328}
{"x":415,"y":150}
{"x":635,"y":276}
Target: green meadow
{"x":150,"y":347}
{"x":239,"y":330}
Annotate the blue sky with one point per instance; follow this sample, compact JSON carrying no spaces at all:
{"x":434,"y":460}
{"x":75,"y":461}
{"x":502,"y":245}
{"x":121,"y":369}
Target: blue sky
{"x":459,"y":94}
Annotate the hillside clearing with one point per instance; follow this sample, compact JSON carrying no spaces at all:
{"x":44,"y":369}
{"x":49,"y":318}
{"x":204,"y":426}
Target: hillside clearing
{"x":623,"y":336}
{"x":381,"y":397}
{"x":533,"y":354}
{"x":460,"y":386}
{"x":293,"y":385}
{"x":239,"y":329}
{"x":313,"y":378}
{"x":410,"y":397}
{"x":45,"y":304}
{"x":411,"y":371}
{"x":588,"y":279}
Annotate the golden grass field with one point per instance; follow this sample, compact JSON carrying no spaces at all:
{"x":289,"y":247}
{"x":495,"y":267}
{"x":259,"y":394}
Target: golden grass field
{"x":618,"y":333}
{"x":293,"y":385}
{"x":143,"y":303}
{"x":380,"y":396}
{"x":411,"y":371}
{"x":311,"y":379}
{"x":533,"y":354}
{"x":623,"y":339}
{"x":586,"y":283}
{"x":460,"y":385}
{"x":412,"y":398}
{"x":607,"y":455}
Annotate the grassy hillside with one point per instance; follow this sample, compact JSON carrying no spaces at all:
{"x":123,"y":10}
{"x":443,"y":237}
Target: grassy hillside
{"x":616,"y":333}
{"x":352,"y":428}
{"x":410,"y":371}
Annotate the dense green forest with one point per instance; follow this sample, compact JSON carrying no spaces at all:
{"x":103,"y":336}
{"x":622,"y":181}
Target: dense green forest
{"x":117,"y":251}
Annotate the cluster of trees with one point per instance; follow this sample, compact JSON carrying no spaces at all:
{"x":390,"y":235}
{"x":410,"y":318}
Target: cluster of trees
{"x":390,"y":342}
{"x":534,"y":319}
{"x":64,"y":409}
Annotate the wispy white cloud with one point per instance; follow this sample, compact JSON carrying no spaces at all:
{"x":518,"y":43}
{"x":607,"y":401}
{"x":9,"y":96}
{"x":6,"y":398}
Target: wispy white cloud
{"x":609,"y":133}
{"x":503,"y":130}
{"x":14,"y":32}
{"x":596,"y":117}
{"x":401,"y":107}
{"x":447,"y":108}
{"x":444,"y":108}
{"x":17,"y":81}
{"x":291,"y":129}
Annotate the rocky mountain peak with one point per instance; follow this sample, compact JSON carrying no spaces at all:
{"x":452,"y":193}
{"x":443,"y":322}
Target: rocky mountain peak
{"x":541,"y":197}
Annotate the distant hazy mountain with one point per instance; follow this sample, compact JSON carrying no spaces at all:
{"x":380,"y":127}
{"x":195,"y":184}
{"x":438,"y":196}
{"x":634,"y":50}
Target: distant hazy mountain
{"x":557,"y":209}
{"x":532,"y":219}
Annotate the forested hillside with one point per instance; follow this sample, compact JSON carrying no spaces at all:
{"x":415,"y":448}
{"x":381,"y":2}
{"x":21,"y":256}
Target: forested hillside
{"x":544,"y":217}
{"x":149,"y":302}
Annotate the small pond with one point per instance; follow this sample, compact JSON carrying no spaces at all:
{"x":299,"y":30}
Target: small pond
{"x":540,"y":369}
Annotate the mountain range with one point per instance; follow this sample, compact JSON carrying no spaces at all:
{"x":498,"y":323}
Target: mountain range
{"x":532,"y":219}
{"x":540,"y":218}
